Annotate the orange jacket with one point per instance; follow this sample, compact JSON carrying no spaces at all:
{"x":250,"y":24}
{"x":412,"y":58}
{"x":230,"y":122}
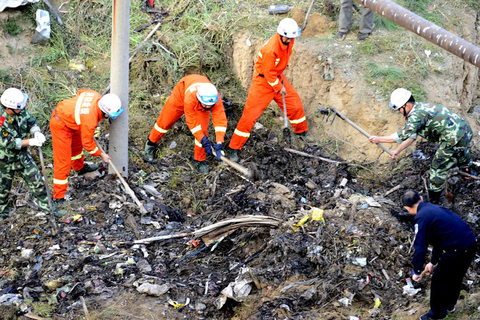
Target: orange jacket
{"x":185,"y":95}
{"x":272,"y":61}
{"x":82,"y":113}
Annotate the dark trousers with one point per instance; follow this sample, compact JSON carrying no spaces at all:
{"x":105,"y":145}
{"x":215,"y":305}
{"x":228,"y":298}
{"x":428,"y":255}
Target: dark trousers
{"x":447,"y":280}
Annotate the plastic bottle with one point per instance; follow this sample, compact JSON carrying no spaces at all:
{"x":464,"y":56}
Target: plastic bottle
{"x":278,"y":8}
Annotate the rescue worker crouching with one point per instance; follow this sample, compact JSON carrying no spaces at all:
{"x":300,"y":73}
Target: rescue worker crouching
{"x":73,"y":125}
{"x":196,"y":97}
{"x":16,"y":123}
{"x":269,"y":83}
{"x":436,"y":124}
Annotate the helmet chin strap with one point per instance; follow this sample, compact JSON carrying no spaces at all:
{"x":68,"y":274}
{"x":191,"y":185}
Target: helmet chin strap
{"x":285,"y":43}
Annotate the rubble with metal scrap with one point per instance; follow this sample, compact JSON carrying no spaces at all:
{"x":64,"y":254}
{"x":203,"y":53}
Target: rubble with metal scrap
{"x":310,"y":240}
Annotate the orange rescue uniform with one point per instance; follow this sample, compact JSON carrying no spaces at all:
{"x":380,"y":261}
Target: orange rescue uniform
{"x":183,"y":100}
{"x":73,"y":125}
{"x":267,"y":81}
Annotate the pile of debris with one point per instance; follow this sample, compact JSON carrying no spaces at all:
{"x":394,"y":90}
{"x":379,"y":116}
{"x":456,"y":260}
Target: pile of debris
{"x":309,"y":240}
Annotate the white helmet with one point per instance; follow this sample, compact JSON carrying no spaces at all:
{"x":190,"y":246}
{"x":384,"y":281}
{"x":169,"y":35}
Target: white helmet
{"x":289,"y":28}
{"x":111,"y":105}
{"x":398,"y":98}
{"x":207,"y":94}
{"x":13,"y":98}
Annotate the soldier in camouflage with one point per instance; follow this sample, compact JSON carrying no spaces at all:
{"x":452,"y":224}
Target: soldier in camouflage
{"x":436,"y":124}
{"x":16,"y":124}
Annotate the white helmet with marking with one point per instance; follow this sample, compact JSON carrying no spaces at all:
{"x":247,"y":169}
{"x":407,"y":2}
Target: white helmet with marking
{"x":289,"y":28}
{"x":111,"y":105}
{"x":13,"y":98}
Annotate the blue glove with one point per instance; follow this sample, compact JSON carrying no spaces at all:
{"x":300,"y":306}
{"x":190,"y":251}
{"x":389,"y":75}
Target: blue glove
{"x":207,"y":145}
{"x":219,"y":151}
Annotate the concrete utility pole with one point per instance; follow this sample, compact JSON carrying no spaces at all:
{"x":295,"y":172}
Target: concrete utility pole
{"x":118,"y":149}
{"x":424,"y":29}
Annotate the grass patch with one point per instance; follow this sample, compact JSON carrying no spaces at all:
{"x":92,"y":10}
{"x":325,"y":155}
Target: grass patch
{"x":386,"y":78}
{"x":11,"y":27}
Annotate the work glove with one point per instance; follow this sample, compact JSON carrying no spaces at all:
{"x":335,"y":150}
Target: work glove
{"x":219,"y":151}
{"x":35,"y":142}
{"x":39,"y":136}
{"x":207,"y":145}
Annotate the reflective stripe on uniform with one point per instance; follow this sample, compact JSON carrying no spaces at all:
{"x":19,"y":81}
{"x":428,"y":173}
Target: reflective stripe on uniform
{"x":274,"y":83}
{"x":220,"y":129}
{"x":260,"y":54}
{"x":77,"y":156}
{"x":57,"y":181}
{"x":193,"y":87}
{"x":298,"y":121}
{"x":241,"y":134}
{"x":78,"y":106}
{"x":198,"y":144}
{"x":196,"y":129}
{"x":92,"y":152}
{"x":160,"y":129}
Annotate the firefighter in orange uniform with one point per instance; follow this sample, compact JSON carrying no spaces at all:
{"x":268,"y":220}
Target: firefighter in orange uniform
{"x":196,"y":97}
{"x":269,"y":83}
{"x":73,"y":125}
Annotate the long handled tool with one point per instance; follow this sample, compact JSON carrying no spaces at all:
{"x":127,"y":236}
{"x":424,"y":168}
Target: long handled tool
{"x":308,"y":14}
{"x":336,"y":113}
{"x":286,"y":132}
{"x":125,"y":184}
{"x":52,"y":217}
{"x":251,"y":173}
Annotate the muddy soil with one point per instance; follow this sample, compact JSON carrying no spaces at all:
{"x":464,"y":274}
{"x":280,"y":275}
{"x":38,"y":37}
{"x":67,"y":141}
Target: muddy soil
{"x":329,"y":268}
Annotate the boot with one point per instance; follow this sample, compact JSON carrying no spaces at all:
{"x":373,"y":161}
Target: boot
{"x":149,"y":152}
{"x":233,"y":155}
{"x":434,"y":196}
{"x":202,"y":166}
{"x":87,"y":168}
{"x":305,"y":136}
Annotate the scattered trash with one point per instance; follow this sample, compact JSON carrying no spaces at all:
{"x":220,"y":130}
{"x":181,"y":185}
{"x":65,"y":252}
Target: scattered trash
{"x":362,"y":262}
{"x":42,"y":31}
{"x":278,"y":8}
{"x":153,"y":289}
{"x":418,"y":155}
{"x":410,"y":291}
{"x":172,"y":145}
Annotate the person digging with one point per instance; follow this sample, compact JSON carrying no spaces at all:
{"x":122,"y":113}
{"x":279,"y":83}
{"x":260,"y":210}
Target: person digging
{"x":197,"y":98}
{"x":436,"y":124}
{"x":454,"y":246}
{"x":269,"y":83}
{"x":16,"y":124}
{"x":73,"y":125}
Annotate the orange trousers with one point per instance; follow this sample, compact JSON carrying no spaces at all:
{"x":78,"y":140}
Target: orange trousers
{"x":67,"y":153}
{"x":167,"y":118}
{"x":259,"y":97}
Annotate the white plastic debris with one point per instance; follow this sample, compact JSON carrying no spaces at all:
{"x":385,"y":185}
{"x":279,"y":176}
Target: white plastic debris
{"x":27,"y":253}
{"x":14,"y":3}
{"x":362,"y":262}
{"x":410,"y":291}
{"x":344,"y":182}
{"x":172,"y":145}
{"x":153,"y":289}
{"x":372,"y":203}
{"x":344,"y":301}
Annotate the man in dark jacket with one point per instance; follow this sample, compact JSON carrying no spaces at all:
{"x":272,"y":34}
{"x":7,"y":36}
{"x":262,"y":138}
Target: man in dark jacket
{"x":454,"y":247}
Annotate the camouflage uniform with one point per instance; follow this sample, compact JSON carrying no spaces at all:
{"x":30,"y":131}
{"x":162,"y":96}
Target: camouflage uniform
{"x":438,"y":124}
{"x":14,"y":158}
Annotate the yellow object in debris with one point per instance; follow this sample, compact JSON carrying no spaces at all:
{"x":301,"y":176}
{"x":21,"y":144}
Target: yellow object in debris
{"x":175,"y":304}
{"x":317,"y":214}
{"x":77,"y":66}
{"x":377,"y":303}
{"x":302,"y":221}
{"x":77,"y":217}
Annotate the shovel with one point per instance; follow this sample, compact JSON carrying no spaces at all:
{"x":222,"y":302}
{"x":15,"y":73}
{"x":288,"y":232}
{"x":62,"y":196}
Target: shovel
{"x":336,"y":113}
{"x":52,"y":218}
{"x":251,"y":173}
{"x":125,"y":184}
{"x":286,"y":132}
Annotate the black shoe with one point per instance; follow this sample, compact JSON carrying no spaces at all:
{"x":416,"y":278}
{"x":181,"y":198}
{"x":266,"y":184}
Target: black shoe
{"x":363,"y":36}
{"x":202,"y":166}
{"x":428,"y":316}
{"x":434,"y":196}
{"x":340,"y":36}
{"x":305,"y":136}
{"x":59,"y":201}
{"x":87,"y":168}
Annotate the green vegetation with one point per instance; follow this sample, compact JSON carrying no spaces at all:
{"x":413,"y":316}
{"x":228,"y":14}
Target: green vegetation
{"x":11,"y":27}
